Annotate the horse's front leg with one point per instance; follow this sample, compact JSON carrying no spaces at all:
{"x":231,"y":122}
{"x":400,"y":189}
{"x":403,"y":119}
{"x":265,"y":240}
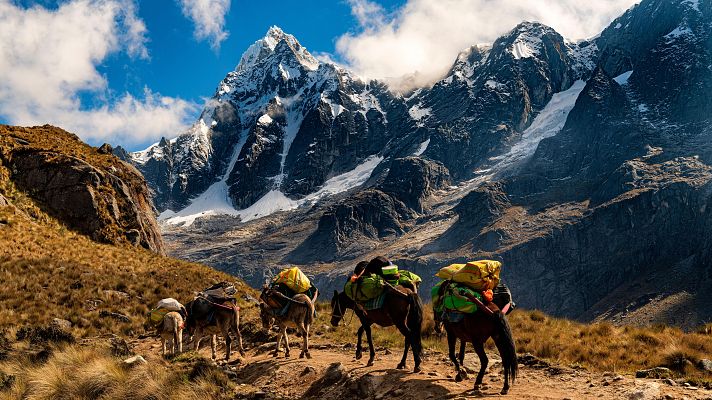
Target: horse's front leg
{"x":305,"y":348}
{"x":451,"y":341}
{"x":286,"y":341}
{"x":359,"y":334}
{"x":197,"y":337}
{"x":480,"y":350}
{"x":279,"y":343}
{"x":213,"y":346}
{"x":461,"y":357}
{"x":372,"y":351}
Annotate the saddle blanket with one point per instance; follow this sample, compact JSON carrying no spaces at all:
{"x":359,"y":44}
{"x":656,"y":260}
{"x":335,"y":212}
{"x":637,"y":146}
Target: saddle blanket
{"x":452,"y":316}
{"x":376,"y":303}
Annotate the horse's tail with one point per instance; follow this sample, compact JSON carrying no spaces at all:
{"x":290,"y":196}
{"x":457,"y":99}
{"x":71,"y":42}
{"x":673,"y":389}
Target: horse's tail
{"x":505,"y":344}
{"x":415,"y":320}
{"x":309,"y":319}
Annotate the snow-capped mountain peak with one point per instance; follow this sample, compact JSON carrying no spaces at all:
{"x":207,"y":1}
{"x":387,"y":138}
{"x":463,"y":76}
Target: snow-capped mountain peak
{"x":267,"y":46}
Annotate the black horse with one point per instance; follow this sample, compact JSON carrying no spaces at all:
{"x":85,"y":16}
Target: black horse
{"x":401,"y":307}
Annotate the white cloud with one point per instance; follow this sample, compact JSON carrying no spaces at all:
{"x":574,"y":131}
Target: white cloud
{"x":209,"y":19}
{"x":424,"y":36}
{"x":48,"y":58}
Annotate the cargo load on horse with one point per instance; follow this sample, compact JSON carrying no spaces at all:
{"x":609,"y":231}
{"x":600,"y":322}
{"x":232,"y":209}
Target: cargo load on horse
{"x":163,"y":307}
{"x":289,"y":302}
{"x":366,"y":286}
{"x":479,"y":275}
{"x":467,"y":287}
{"x":284,"y":286}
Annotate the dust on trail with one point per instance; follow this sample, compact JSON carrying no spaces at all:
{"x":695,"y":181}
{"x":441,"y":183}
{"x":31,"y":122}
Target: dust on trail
{"x":334,"y":373}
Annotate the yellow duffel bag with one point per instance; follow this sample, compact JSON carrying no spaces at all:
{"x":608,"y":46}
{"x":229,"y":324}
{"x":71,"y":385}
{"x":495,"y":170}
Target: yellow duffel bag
{"x":479,"y":275}
{"x":294,"y":279}
{"x":447,"y":273}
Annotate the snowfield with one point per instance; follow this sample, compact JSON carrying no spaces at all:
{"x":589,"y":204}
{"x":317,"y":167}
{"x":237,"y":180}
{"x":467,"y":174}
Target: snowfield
{"x":216,"y":201}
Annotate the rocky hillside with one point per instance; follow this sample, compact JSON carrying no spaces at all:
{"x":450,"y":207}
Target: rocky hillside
{"x":583,"y":166}
{"x":87,"y":189}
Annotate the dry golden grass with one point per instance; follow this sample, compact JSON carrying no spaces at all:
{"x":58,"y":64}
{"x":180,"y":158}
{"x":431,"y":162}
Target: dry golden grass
{"x":598,"y":347}
{"x":50,"y":272}
{"x":76,"y":372}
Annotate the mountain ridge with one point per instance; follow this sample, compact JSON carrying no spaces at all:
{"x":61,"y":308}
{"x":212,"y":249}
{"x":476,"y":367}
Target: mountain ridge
{"x":561,"y":158}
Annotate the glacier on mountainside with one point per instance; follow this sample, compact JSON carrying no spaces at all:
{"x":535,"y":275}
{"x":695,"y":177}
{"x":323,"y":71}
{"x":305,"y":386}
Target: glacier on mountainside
{"x":546,"y":124}
{"x":216,"y":201}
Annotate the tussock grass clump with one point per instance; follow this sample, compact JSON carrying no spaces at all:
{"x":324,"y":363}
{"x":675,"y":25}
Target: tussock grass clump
{"x":92,"y":373}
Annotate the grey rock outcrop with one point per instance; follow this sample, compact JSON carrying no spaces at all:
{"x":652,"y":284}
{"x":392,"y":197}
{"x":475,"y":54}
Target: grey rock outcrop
{"x":412,"y":179}
{"x":91,"y":192}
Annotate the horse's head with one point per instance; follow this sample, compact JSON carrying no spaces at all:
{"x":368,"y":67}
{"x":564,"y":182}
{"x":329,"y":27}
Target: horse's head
{"x":189,"y":317}
{"x":266,"y":317}
{"x":337,"y":309}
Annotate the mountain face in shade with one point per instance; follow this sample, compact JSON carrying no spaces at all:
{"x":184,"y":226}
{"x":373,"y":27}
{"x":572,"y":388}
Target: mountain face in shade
{"x":583,"y":166}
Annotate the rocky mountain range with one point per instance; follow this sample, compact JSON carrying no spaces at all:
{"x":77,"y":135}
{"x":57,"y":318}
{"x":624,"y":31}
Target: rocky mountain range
{"x":584,"y":166}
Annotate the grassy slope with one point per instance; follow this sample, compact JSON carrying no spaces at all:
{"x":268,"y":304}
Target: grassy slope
{"x":47,"y":271}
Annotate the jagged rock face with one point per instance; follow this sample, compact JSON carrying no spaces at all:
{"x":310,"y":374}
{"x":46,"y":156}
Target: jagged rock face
{"x":281,"y":121}
{"x":498,"y":94}
{"x":656,"y":225}
{"x":626,"y":41}
{"x":287,"y":122}
{"x":353,"y":225}
{"x":93,"y":193}
{"x":412,"y":180}
{"x":598,"y":136}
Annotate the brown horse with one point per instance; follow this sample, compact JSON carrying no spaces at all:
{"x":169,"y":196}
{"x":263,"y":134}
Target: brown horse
{"x":213,"y":316}
{"x":299,"y":315}
{"x":401,"y":307}
{"x":476,"y":328}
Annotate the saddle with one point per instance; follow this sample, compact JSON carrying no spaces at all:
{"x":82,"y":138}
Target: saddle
{"x":219,"y":292}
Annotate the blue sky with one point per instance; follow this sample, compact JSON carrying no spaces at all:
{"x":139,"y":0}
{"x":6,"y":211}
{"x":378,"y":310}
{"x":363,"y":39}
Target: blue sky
{"x":129,"y":72}
{"x":180,"y":65}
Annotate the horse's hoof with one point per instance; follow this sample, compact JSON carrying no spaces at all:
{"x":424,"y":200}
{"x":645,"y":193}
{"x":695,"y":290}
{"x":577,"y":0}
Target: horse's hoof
{"x":504,"y":391}
{"x":358,"y":356}
{"x":309,"y":355}
{"x":301,"y":355}
{"x":370,"y":363}
{"x":416,"y":370}
{"x":458,"y":378}
{"x":274,"y":354}
{"x":242,"y":354}
{"x":400,"y":366}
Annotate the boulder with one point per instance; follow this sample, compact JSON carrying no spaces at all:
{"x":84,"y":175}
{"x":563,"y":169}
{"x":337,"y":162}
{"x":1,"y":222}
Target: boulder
{"x":88,"y":190}
{"x":654,"y":373}
{"x":334,"y":373}
{"x":705,"y":365}
{"x":62,"y":323}
{"x":412,"y":179}
{"x":134,"y":361}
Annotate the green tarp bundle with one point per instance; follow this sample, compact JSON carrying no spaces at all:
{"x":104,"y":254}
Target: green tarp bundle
{"x":454,"y":297}
{"x":365,"y":288}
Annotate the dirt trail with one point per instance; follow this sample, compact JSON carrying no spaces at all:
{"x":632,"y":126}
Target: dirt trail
{"x":334,"y":373}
